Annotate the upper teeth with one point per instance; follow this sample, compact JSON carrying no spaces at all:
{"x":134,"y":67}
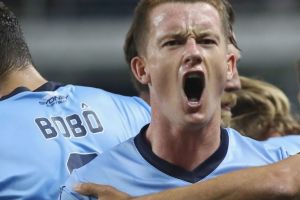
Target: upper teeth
{"x":193,"y":75}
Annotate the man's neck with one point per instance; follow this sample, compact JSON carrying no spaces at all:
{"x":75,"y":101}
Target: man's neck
{"x":27,"y":77}
{"x":185,"y":147}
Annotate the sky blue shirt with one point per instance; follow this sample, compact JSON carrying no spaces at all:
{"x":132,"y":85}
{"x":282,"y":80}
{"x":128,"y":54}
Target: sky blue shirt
{"x":45,"y":132}
{"x":133,"y":168}
{"x":290,"y":142}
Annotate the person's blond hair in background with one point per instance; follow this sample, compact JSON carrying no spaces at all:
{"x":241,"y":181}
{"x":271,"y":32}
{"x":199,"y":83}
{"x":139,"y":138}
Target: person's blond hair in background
{"x":262,"y":110}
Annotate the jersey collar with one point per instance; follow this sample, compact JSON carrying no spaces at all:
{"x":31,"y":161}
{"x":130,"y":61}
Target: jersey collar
{"x":49,"y":86}
{"x":194,"y":176}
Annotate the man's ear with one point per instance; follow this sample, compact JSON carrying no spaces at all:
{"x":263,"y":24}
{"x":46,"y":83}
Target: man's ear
{"x":231,"y":65}
{"x":139,"y":69}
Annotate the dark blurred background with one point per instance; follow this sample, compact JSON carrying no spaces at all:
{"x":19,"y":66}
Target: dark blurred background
{"x":80,"y":41}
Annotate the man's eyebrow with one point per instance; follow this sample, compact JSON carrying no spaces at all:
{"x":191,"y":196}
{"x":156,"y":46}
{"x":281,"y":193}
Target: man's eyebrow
{"x":203,"y":33}
{"x":182,"y":35}
{"x":176,"y":35}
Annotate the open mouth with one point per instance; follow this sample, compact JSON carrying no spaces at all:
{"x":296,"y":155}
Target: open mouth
{"x":193,"y":86}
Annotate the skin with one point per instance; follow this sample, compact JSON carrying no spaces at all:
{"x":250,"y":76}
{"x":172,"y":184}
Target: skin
{"x":234,"y":83}
{"x":192,"y":37}
{"x":27,"y":77}
{"x":231,"y":85}
{"x":228,"y":99}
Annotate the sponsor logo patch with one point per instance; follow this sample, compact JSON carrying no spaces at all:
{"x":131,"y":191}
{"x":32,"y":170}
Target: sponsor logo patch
{"x":52,"y":99}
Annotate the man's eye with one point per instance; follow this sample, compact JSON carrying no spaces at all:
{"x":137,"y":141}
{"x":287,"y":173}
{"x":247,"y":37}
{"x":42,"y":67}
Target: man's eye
{"x":172,"y":43}
{"x":207,"y":41}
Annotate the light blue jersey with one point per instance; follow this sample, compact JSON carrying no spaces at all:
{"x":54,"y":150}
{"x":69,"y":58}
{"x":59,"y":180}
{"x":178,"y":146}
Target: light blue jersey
{"x":290,"y":142}
{"x":43,"y":134}
{"x":133,"y":168}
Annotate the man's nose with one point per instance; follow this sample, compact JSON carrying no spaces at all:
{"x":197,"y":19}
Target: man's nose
{"x":192,"y":54}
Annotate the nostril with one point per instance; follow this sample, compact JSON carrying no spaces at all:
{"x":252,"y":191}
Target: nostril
{"x":188,"y":60}
{"x":193,"y":60}
{"x":198,"y":59}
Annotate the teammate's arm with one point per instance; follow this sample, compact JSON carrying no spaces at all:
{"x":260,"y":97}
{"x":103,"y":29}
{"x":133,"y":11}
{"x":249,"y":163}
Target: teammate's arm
{"x":277,"y":181}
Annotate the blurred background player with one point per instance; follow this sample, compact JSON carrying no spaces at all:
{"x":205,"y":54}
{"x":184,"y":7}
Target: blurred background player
{"x":262,"y":110}
{"x":46,"y":126}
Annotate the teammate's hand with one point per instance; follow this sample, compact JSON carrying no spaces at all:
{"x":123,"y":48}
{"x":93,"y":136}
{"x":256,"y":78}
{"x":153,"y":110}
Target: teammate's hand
{"x":104,"y":191}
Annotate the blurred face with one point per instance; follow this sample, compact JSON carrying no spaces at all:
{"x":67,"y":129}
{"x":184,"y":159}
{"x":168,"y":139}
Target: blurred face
{"x":234,"y":84}
{"x":185,"y":63}
{"x":228,"y":101}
